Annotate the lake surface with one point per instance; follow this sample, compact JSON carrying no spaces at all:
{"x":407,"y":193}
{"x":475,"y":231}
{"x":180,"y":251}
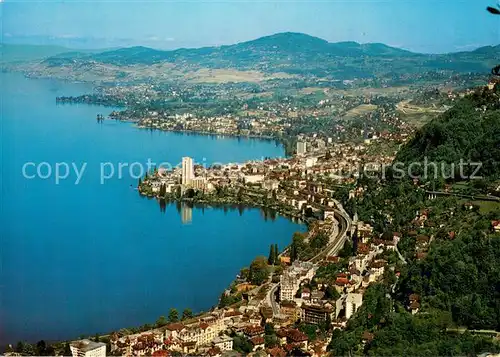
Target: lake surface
{"x":92,"y":257}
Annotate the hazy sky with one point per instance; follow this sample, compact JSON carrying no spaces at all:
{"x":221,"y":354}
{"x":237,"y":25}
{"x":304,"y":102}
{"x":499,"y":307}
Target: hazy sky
{"x":419,"y":25}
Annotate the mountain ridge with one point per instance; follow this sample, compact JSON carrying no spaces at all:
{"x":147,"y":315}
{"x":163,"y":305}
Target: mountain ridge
{"x":291,"y":53}
{"x":287,"y":41}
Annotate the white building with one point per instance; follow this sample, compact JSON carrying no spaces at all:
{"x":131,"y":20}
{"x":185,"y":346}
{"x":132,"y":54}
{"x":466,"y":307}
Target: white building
{"x":292,"y":277}
{"x":289,"y":285}
{"x":187,"y":170}
{"x":353,"y":302}
{"x":87,"y":348}
{"x":301,"y":147}
{"x":202,"y":332}
{"x":254,"y":178}
{"x":224,"y":342}
{"x":199,"y":183}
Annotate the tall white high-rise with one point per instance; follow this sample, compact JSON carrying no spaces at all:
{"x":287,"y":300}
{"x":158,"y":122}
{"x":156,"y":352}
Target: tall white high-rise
{"x":187,"y":170}
{"x":301,"y":147}
{"x":353,"y":302}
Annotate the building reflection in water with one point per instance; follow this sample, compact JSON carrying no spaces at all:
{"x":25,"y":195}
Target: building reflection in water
{"x":186,"y":214}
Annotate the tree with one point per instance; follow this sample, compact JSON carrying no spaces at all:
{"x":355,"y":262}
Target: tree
{"x":162,"y":321}
{"x":67,"y":350}
{"x":269,"y":329}
{"x":319,"y":241}
{"x":347,"y":250}
{"x":270,"y":341}
{"x":41,"y":348}
{"x":259,"y":271}
{"x":242,"y":345}
{"x":293,"y":252}
{"x":309,"y":330}
{"x":173,"y":315}
{"x":26,"y":349}
{"x":331,"y":293}
{"x":297,"y":246}
{"x":276,"y":254}
{"x":326,"y":325}
{"x":341,"y":343}
{"x":187,"y":314}
{"x":245,"y":273}
{"x":19,"y":347}
{"x":271,"y":260}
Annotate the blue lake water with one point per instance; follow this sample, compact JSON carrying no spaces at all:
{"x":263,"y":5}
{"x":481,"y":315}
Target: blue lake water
{"x":87,"y":258}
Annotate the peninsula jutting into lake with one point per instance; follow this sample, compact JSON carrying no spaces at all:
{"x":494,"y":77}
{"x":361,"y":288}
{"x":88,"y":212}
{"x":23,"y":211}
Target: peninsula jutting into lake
{"x":261,"y":179}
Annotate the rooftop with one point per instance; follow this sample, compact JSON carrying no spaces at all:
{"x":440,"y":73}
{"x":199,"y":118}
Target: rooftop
{"x":87,"y":345}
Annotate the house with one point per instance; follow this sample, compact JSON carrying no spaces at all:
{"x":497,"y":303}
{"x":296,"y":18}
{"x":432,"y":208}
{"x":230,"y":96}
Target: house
{"x":224,"y":343}
{"x":305,"y":294}
{"x":423,"y":240}
{"x":214,"y":352}
{"x":329,"y":214}
{"x":285,"y":260}
{"x":367,"y":337}
{"x":276,"y":352}
{"x":257,"y":343}
{"x":297,"y":338}
{"x":253,"y":331}
{"x":317,"y":296}
{"x":341,"y":284}
{"x":414,"y":307}
{"x":188,"y":347}
{"x":255,"y":318}
{"x":173,"y":330}
{"x":469,"y":205}
{"x":316,"y":313}
{"x":414,"y":303}
{"x":289,"y":308}
{"x":232,"y":317}
{"x":146,"y":343}
{"x":377,"y":268}
{"x":396,"y":238}
{"x":496,"y":225}
{"x":281,"y":335}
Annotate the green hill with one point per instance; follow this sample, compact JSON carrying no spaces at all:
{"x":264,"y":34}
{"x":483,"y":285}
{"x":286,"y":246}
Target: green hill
{"x":470,"y":131}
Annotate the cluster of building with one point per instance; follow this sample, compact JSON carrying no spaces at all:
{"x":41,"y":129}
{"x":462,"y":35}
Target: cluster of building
{"x":297,"y":301}
{"x":227,"y":124}
{"x":205,"y":336}
{"x":297,"y":182}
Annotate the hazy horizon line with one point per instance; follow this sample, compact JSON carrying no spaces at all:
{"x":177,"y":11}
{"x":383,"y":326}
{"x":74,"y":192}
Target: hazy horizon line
{"x":150,"y":43}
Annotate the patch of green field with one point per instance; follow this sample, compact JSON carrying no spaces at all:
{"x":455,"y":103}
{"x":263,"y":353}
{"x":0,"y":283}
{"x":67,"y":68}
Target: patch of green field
{"x":487,"y":206}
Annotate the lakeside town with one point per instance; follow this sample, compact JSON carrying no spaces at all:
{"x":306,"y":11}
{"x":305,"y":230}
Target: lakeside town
{"x":384,"y":266}
{"x":292,"y":302}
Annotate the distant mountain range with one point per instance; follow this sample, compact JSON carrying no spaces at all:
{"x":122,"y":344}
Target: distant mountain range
{"x":293,"y":53}
{"x":21,"y":52}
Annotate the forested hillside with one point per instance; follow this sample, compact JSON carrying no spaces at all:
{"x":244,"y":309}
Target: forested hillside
{"x":469,"y":131}
{"x":451,"y":250}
